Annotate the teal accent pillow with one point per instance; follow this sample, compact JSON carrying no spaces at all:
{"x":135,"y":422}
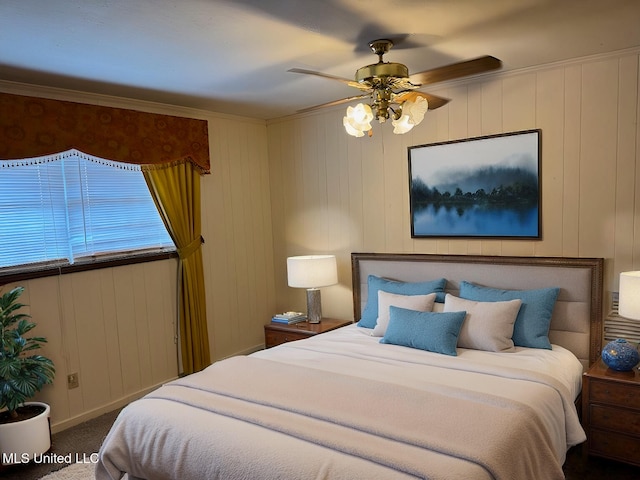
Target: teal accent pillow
{"x":434,"y":332}
{"x":534,"y":318}
{"x":374,"y":284}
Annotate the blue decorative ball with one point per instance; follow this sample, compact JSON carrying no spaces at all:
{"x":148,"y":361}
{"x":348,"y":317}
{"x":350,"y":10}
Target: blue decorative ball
{"x":620,"y":355}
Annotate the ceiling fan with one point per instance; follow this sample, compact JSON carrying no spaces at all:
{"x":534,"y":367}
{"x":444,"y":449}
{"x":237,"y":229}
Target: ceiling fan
{"x":392,"y":91}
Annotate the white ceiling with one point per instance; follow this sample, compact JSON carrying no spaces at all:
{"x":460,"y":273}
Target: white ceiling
{"x":232,"y":56}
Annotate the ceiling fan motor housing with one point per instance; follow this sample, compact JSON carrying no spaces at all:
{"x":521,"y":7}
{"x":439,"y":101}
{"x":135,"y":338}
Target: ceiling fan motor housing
{"x":381,"y":70}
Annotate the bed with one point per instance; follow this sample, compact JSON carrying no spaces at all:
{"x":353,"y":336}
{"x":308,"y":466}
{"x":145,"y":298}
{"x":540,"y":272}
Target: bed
{"x":409,"y":402}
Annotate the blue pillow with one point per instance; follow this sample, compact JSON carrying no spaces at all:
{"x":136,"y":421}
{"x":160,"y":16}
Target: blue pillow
{"x":532,"y":323}
{"x":370,"y":312}
{"x":434,"y":332}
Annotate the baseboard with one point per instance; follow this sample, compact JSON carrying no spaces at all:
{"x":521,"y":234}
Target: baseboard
{"x":96,"y":412}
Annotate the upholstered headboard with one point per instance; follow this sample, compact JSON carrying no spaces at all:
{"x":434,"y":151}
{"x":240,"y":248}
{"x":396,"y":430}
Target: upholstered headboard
{"x":576,"y":323}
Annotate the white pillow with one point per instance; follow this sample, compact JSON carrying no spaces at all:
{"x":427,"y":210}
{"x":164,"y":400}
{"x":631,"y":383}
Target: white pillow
{"x":488,"y":325}
{"x":421,"y":303}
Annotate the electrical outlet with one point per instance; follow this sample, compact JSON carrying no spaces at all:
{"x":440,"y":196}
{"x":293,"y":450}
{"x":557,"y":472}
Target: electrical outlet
{"x":72,"y":381}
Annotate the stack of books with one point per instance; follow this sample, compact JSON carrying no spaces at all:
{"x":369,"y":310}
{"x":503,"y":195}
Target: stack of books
{"x":289,"y":317}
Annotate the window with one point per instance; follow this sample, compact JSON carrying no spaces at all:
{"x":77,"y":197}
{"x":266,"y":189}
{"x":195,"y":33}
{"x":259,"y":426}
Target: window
{"x":71,"y":206}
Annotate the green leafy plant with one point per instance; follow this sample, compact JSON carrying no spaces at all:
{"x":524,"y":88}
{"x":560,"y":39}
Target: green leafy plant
{"x":22,"y":371}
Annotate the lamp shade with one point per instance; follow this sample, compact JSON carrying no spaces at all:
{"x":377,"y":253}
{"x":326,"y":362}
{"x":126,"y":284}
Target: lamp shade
{"x":358,"y":120}
{"x":412,"y":114}
{"x":312,"y":271}
{"x":629,"y":295}
{"x":402,"y":125}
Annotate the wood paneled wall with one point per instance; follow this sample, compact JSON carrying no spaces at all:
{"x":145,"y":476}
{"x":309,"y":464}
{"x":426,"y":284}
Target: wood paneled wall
{"x":332,"y":193}
{"x":238,"y":249}
{"x":114,"y":327}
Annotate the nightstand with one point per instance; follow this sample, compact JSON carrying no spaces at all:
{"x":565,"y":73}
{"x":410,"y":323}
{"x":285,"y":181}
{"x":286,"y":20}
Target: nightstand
{"x":276,"y":333}
{"x":611,"y":413}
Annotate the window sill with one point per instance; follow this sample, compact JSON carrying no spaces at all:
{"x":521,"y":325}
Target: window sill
{"x":83,"y":266}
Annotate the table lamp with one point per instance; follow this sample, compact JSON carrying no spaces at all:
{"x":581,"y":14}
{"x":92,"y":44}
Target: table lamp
{"x":629,"y":295}
{"x":312,"y":272}
{"x":621,"y":355}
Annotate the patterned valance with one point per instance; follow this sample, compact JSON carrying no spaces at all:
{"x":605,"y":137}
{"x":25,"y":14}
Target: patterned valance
{"x":33,"y":127}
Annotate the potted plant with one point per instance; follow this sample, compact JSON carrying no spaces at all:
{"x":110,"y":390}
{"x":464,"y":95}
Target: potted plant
{"x":24,"y":426}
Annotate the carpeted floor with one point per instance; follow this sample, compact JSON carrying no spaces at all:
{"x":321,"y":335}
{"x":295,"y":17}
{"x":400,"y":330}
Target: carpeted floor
{"x":87,"y":437}
{"x":77,"y":471}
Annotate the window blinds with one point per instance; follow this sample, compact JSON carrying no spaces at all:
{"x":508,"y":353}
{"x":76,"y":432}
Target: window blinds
{"x":72,"y":205}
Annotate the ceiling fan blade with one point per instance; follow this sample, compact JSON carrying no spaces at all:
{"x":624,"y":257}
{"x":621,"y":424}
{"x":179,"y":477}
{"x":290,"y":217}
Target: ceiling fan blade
{"x":456,"y":70}
{"x":346,"y":81}
{"x":333,"y":103}
{"x":434,"y":100}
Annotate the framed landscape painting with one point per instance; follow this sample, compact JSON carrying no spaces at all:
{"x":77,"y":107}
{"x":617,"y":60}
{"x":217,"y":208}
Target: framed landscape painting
{"x":487,"y":187}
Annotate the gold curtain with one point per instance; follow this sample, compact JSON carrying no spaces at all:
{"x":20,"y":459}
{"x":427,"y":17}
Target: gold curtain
{"x":176,"y":190}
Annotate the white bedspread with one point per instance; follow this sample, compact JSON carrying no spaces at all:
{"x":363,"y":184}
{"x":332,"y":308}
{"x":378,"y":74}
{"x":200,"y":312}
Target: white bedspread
{"x":234,"y":421}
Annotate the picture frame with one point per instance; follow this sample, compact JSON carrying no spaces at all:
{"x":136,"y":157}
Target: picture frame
{"x":482,"y":187}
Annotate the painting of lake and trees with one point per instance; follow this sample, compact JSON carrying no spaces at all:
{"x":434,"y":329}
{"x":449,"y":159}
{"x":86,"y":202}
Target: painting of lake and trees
{"x":481,"y":187}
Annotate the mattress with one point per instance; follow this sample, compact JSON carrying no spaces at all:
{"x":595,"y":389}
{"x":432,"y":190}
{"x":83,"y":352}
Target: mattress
{"x":341,"y":405}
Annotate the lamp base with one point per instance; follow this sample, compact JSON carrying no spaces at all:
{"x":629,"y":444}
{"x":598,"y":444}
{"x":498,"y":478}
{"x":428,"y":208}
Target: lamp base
{"x":314,"y":305}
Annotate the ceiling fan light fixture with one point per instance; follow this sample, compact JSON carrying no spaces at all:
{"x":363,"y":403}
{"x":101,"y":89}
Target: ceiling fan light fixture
{"x":413,"y":112}
{"x":392,"y":92}
{"x":358,"y":120}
